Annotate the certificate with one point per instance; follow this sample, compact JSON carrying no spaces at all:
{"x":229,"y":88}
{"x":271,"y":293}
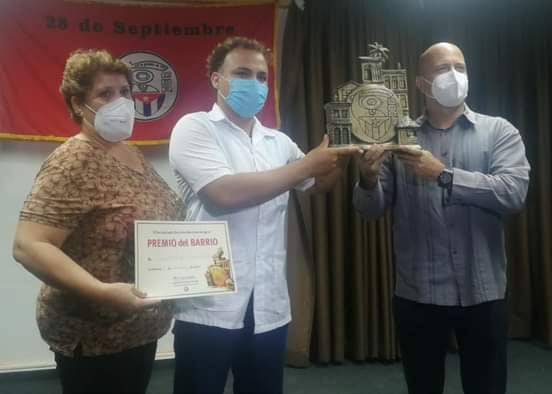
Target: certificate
{"x":183,"y":259}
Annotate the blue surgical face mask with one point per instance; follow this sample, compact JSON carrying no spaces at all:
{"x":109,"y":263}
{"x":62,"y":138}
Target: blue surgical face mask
{"x":246,"y":97}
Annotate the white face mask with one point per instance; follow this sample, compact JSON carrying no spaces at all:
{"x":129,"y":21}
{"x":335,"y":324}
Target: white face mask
{"x":114,"y":121}
{"x":449,"y":89}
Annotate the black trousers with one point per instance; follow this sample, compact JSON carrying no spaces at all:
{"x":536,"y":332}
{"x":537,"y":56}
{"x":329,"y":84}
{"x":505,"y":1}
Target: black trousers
{"x":127,"y":372}
{"x":481,"y":332}
{"x":205,"y":354}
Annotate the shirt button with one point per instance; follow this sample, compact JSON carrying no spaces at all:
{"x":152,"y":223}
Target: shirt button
{"x":454,"y":252}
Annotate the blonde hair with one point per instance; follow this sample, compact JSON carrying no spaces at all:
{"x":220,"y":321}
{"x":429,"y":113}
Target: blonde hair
{"x":81,"y":68}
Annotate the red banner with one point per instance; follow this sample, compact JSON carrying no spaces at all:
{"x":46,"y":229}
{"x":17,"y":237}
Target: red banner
{"x":167,"y":47}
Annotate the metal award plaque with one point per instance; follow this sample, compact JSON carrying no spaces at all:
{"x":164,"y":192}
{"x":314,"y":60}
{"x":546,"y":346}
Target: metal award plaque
{"x":374,"y":111}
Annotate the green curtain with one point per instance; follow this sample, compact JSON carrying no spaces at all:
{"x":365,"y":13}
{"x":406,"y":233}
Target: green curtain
{"x":345,"y":313}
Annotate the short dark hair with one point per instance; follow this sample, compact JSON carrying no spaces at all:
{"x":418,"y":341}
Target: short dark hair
{"x":216,"y":59}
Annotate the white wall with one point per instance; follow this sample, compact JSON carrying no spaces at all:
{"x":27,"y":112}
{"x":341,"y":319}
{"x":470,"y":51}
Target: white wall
{"x":21,"y":347}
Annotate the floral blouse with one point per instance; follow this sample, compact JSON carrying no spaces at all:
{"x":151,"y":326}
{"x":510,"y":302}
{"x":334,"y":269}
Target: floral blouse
{"x":82,"y":188}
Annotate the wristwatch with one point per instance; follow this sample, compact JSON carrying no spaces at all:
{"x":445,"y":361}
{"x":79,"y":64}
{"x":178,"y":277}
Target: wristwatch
{"x":444,"y":179}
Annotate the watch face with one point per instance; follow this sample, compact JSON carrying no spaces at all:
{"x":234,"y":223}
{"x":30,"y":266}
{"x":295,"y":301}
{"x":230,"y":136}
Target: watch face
{"x":445,"y":178}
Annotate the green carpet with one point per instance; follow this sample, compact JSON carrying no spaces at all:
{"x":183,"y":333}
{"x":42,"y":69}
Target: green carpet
{"x":530,"y":372}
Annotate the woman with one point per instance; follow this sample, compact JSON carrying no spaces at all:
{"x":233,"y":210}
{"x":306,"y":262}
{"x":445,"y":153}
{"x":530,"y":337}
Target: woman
{"x":75,"y":233}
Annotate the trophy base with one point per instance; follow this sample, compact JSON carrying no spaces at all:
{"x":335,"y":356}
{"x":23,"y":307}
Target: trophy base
{"x":396,"y":147}
{"x":386,"y":146}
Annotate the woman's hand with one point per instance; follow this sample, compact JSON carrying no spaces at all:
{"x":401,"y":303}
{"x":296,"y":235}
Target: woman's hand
{"x":124,"y":297}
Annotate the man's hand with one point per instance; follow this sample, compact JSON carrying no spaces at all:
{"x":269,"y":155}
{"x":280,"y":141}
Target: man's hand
{"x":369,"y":163}
{"x":322,"y":160}
{"x":421,"y":163}
{"x":327,"y":182}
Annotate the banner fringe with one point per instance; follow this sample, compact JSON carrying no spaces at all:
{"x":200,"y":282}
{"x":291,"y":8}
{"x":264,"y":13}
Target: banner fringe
{"x":53,"y":138}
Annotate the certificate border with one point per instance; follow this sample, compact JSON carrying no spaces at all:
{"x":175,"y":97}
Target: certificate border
{"x":137,"y":225}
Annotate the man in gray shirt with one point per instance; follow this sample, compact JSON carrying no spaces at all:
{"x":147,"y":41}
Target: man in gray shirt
{"x":448,"y":203}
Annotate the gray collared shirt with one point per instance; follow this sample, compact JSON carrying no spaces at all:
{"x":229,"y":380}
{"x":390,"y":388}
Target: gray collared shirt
{"x":449,"y":248}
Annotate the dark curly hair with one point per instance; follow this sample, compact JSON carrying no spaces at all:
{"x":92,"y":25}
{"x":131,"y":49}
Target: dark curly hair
{"x":218,"y":54}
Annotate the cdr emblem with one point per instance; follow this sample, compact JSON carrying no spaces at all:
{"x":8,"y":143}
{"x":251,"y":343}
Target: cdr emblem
{"x":155,"y":84}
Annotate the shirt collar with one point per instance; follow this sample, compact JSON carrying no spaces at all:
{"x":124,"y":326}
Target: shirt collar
{"x":216,"y":114}
{"x":468,"y":114}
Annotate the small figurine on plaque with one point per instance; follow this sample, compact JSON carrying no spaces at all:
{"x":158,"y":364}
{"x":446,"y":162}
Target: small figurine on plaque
{"x":374,"y":111}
